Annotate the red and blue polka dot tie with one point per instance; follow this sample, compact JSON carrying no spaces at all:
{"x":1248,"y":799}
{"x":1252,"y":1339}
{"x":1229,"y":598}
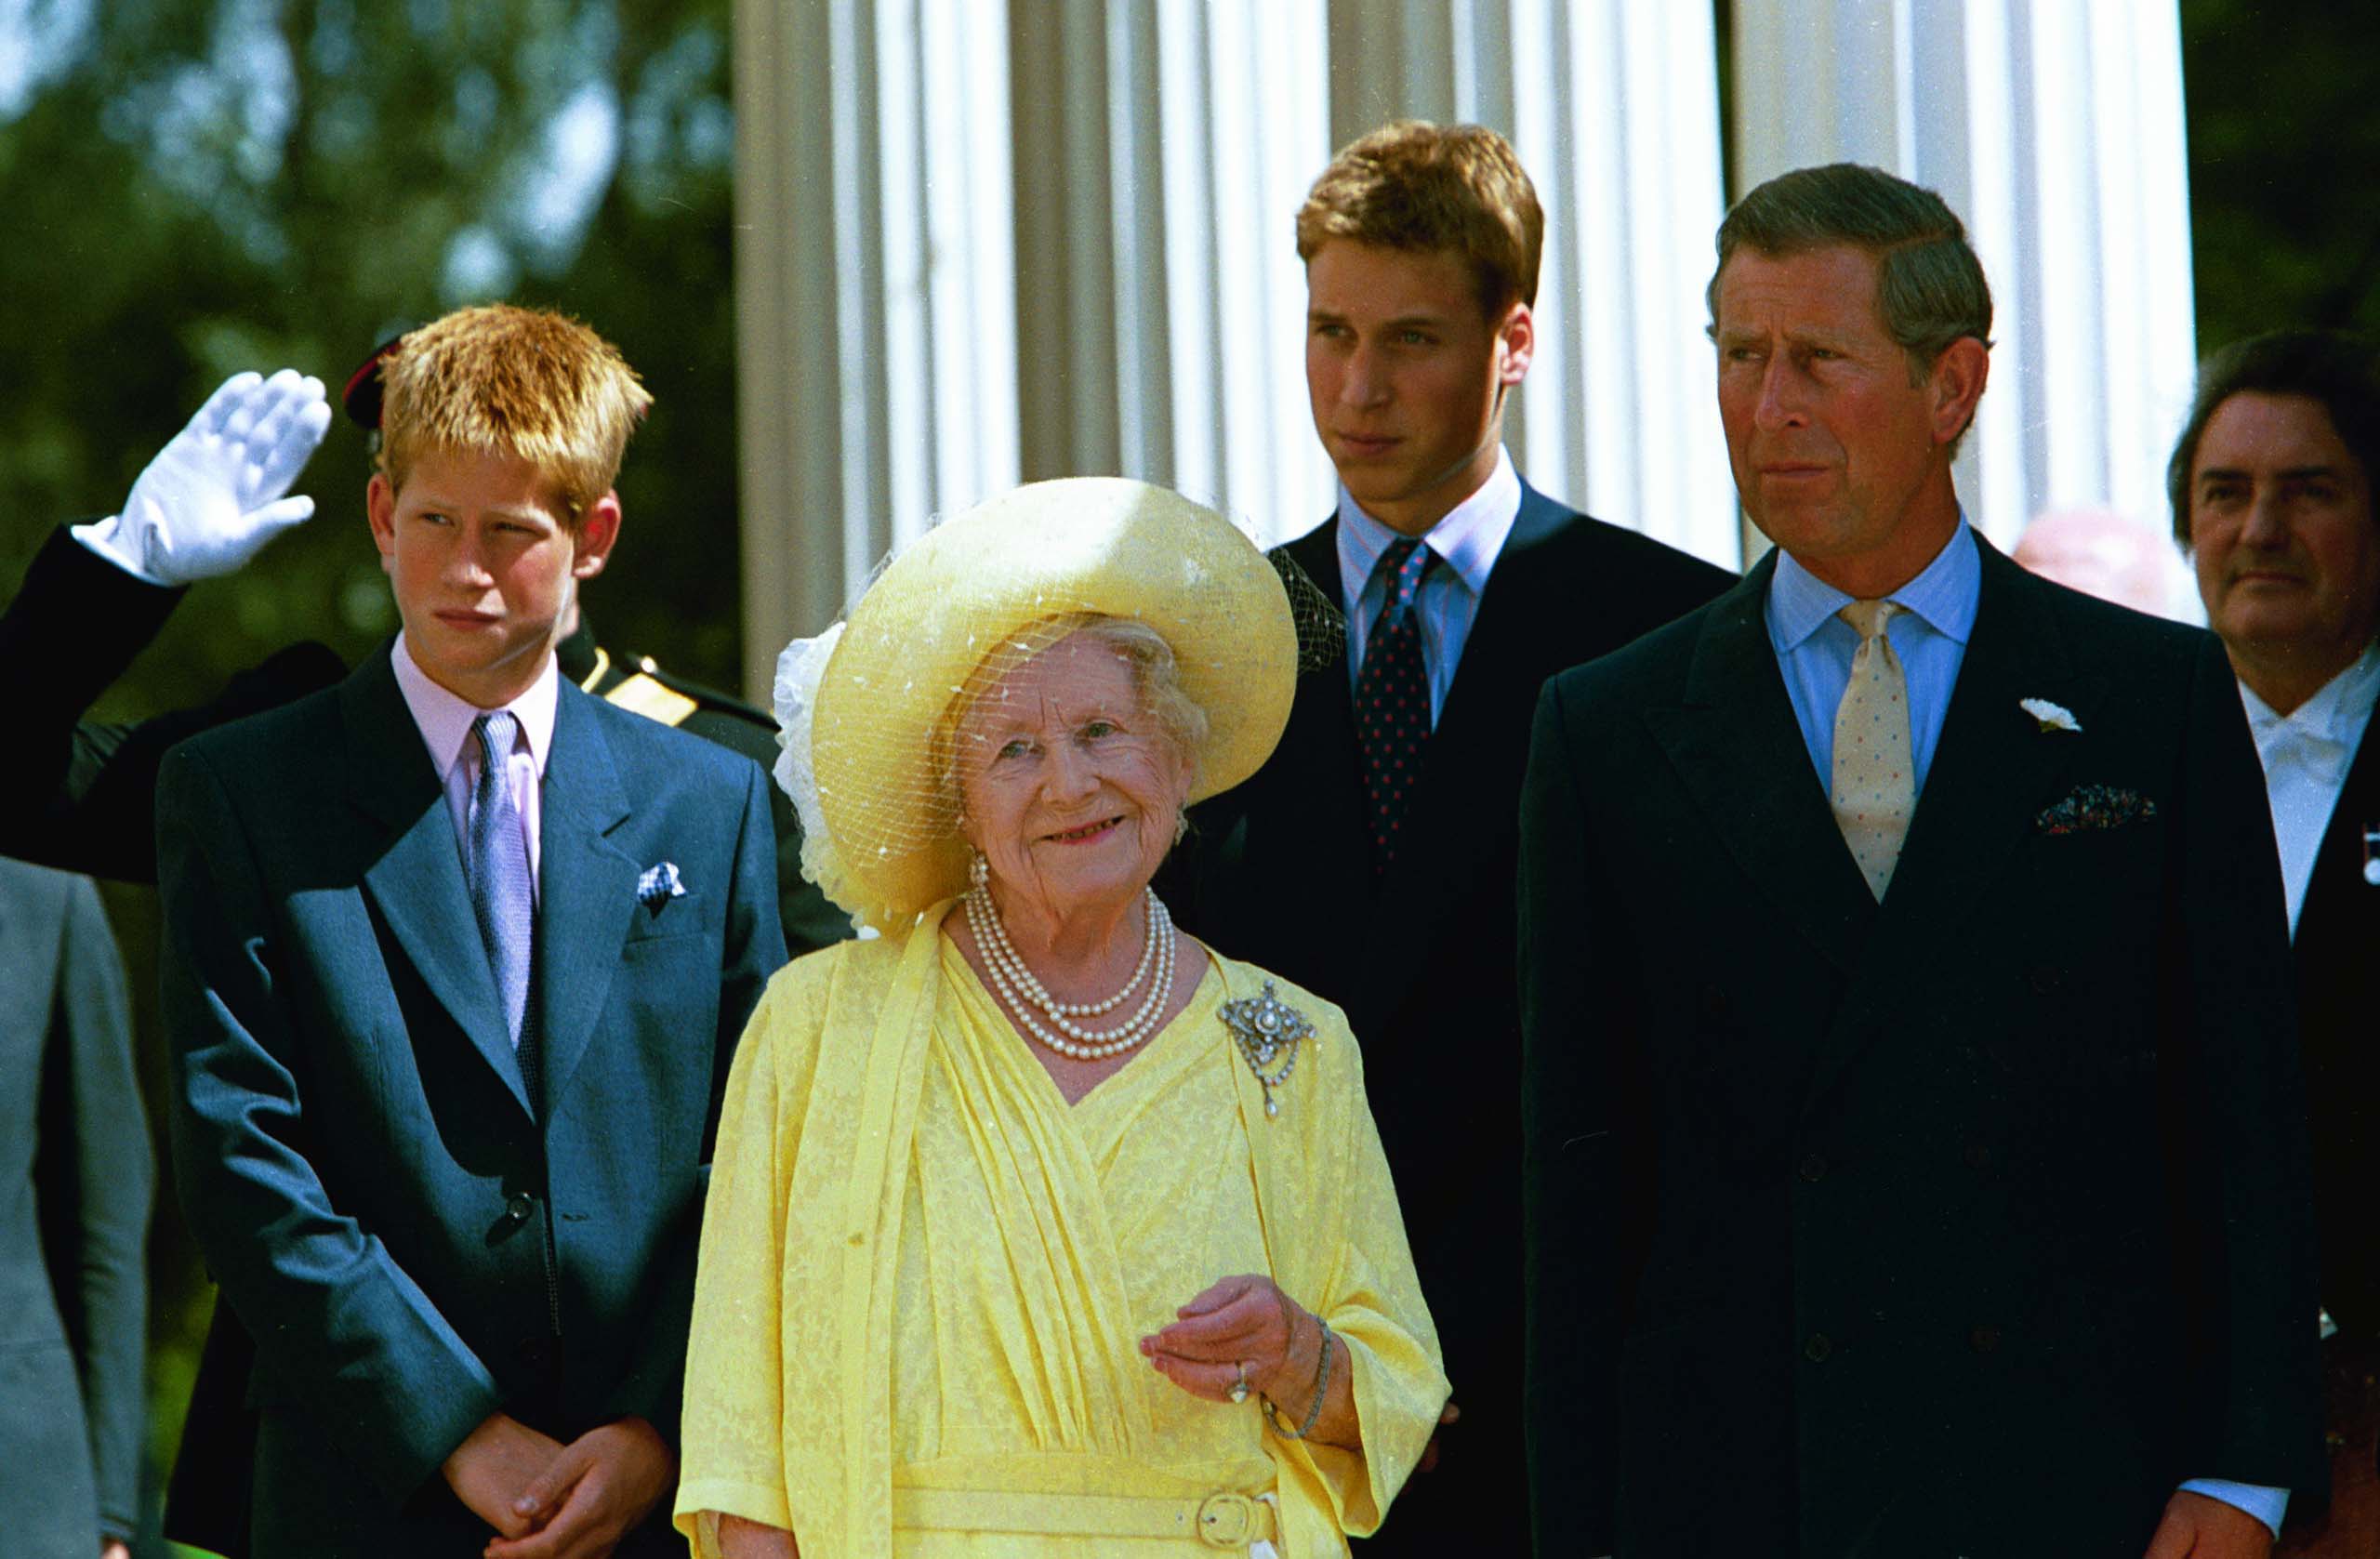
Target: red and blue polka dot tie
{"x":1393,"y":700}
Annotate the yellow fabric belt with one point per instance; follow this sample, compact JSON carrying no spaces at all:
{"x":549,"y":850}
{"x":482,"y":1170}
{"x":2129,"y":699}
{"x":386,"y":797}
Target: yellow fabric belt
{"x":1218,"y":1521}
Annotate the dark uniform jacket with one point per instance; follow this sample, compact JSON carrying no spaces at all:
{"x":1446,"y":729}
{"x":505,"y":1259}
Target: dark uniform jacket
{"x":1973,"y":1222}
{"x":81,"y":794}
{"x":1278,"y":872}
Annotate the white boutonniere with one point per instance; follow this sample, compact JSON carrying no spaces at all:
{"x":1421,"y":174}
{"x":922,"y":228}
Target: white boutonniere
{"x":2053,"y":717}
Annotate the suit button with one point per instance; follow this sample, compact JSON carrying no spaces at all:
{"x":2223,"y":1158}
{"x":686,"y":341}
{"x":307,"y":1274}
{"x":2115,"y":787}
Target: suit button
{"x":1984,"y":1338}
{"x":1814,"y":1167}
{"x":521,"y":1207}
{"x":1714,"y":1002}
{"x":2047,"y":979}
{"x":1818,"y":1348}
{"x":1977,"y":1156}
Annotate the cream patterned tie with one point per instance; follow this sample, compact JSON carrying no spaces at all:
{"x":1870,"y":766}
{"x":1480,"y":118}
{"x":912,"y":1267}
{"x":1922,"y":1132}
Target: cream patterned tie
{"x":1875,"y":784}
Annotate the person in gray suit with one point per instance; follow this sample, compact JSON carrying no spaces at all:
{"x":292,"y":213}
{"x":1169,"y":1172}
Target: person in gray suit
{"x":73,"y":1211}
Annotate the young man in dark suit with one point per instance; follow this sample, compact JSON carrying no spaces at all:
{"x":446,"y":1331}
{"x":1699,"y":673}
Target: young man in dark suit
{"x":1915,"y":1133}
{"x":2271,"y":489}
{"x":1373,"y":858}
{"x":456,"y":957}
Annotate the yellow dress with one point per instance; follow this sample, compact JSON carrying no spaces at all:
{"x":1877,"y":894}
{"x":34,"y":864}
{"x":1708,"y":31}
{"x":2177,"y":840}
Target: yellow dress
{"x":924,"y":1276}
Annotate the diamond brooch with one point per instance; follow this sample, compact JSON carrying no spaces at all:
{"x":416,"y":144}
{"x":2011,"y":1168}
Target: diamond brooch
{"x":1268,"y":1031}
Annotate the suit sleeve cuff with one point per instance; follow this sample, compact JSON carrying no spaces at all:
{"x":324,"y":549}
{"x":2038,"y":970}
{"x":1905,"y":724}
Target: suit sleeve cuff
{"x":108,"y":538}
{"x":2268,"y":1505}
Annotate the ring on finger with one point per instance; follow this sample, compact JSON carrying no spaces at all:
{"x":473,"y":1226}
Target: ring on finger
{"x":1239,"y":1392}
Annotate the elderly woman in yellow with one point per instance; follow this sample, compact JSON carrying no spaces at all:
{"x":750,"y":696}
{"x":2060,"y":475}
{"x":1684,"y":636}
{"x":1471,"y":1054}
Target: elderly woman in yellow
{"x":1037,"y":1228}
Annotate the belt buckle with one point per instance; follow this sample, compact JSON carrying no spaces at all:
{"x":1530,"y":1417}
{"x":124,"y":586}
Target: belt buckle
{"x":1226,"y":1521}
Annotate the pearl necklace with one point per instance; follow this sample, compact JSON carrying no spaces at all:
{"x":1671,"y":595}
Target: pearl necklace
{"x":1023,"y":993}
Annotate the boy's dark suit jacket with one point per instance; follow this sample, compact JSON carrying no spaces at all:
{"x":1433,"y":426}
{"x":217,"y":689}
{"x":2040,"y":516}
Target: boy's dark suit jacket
{"x":412,"y":1244}
{"x":1971,"y":1224}
{"x":1278,"y":871}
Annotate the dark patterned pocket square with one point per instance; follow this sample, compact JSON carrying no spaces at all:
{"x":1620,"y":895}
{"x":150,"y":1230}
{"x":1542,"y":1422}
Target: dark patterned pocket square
{"x":2089,"y":807}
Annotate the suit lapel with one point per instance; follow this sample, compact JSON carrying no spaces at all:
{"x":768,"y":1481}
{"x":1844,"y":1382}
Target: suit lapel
{"x":417,"y":879}
{"x":1739,"y":750}
{"x":587,"y":888}
{"x":1993,"y":770}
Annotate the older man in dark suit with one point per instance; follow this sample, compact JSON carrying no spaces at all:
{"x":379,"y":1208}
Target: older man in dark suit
{"x":2271,"y":488}
{"x":1915,"y":1141}
{"x":75,"y":1185}
{"x":1371,"y":858}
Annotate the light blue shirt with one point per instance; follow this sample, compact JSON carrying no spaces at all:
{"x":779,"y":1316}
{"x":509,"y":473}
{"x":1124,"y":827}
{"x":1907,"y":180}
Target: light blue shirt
{"x":1814,"y":646}
{"x":1467,"y":540}
{"x":1814,"y":649}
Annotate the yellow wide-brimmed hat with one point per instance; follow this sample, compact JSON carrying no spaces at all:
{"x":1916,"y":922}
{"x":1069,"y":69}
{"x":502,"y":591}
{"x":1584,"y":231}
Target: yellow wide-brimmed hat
{"x":881,"y":832}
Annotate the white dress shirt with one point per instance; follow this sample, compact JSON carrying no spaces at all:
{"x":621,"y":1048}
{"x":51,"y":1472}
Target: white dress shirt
{"x":444,"y":722}
{"x":2306,"y":754}
{"x":1467,"y":540}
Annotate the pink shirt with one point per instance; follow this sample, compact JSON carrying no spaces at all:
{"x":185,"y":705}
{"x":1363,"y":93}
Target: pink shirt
{"x":445,"y":724}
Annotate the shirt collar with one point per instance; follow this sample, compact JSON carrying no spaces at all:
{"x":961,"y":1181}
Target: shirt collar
{"x":2330,"y":713}
{"x":1943,"y":595}
{"x":1466,"y":538}
{"x":445,"y":719}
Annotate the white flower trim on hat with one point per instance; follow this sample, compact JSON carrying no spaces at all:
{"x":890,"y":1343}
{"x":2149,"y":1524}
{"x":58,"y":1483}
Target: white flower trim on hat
{"x":800,"y":670}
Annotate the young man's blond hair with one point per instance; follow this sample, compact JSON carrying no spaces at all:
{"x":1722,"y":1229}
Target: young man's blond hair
{"x":513,"y":381}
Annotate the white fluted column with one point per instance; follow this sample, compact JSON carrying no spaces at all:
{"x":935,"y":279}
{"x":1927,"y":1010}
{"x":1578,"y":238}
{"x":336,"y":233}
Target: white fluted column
{"x":1162,"y":147}
{"x":875,"y":291}
{"x":2056,"y":131}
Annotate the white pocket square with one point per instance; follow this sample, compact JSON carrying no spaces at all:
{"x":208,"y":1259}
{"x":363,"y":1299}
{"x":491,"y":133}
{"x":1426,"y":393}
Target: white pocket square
{"x":659,"y":885}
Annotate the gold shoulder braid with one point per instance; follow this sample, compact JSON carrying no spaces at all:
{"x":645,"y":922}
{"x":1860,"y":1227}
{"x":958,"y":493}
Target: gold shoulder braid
{"x":1268,"y":1031}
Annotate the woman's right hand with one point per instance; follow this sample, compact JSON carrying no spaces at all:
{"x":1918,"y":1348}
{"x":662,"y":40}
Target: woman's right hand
{"x":739,"y":1539}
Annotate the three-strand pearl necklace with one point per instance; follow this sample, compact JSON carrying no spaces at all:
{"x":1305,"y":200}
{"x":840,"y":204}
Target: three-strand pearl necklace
{"x":1026,"y":994}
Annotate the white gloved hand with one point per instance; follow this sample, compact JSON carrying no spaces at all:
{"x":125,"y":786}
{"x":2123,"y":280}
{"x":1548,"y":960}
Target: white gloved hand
{"x":212,"y":496}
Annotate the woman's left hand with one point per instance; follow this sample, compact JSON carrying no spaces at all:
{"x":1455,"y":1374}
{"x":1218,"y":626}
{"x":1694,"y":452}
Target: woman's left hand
{"x":1242,"y":1329}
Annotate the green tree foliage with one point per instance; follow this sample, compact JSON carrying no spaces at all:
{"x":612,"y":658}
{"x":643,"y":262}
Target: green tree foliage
{"x":2285,"y":130}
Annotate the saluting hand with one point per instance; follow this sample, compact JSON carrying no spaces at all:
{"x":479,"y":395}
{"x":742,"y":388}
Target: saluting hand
{"x":214,"y":495}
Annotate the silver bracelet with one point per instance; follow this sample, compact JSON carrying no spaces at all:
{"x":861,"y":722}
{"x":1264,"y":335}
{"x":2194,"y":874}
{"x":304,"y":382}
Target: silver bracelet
{"x":1321,"y":1390}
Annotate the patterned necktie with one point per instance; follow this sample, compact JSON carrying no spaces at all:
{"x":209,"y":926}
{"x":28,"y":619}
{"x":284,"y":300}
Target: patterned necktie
{"x":1875,"y":782}
{"x":501,"y":892}
{"x":1393,"y":698}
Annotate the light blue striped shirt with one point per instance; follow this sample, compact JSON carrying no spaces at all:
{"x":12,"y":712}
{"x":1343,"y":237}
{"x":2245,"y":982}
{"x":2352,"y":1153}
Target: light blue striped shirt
{"x":1814,"y":649}
{"x":1467,"y":540}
